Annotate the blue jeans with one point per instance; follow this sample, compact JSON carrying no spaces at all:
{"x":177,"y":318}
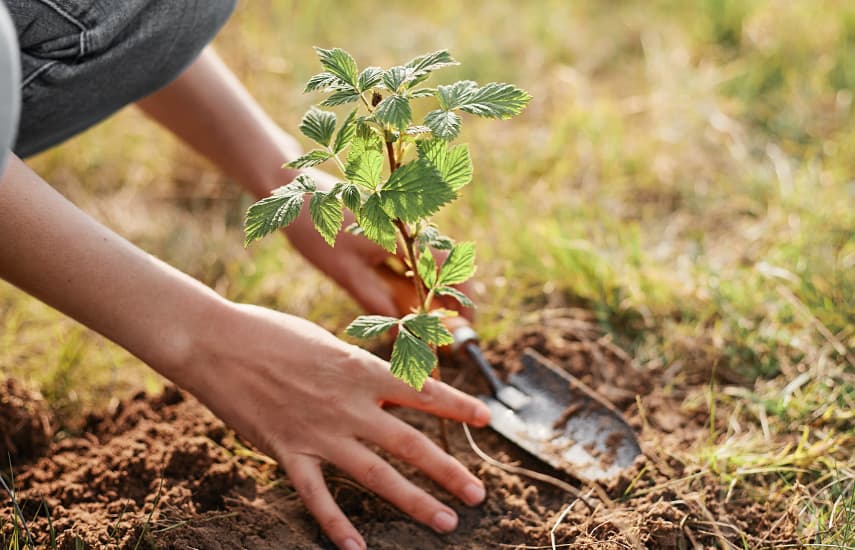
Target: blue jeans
{"x":82,"y":60}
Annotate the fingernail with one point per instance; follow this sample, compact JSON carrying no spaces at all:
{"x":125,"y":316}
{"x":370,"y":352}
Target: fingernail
{"x":351,"y":544}
{"x":444,"y":522}
{"x":473,"y":494}
{"x":482,"y":416}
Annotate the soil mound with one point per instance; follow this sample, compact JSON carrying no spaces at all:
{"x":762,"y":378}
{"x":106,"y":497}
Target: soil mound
{"x":165,"y":470}
{"x":25,"y":423}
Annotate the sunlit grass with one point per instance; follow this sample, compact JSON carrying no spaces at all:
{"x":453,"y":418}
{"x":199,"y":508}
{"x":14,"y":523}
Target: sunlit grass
{"x":685,"y":171}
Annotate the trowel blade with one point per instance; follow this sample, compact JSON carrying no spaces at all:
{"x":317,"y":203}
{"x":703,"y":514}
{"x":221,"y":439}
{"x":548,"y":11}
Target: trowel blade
{"x":565,"y":423}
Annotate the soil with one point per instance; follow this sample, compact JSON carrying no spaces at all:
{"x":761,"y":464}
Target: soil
{"x":165,"y":472}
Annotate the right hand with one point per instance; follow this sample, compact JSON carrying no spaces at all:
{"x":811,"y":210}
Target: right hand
{"x":304,"y":396}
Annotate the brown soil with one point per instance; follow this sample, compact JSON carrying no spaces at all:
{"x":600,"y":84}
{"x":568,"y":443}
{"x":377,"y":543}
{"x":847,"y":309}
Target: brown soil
{"x":164,"y":469}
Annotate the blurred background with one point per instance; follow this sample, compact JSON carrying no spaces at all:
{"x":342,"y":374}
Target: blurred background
{"x":684,"y":171}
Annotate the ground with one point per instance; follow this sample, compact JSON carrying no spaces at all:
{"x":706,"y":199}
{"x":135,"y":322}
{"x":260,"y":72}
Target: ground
{"x":682,"y":182}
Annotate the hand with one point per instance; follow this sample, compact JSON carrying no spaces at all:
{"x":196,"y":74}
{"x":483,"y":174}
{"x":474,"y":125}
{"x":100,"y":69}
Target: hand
{"x":355,"y":261}
{"x":303,"y":396}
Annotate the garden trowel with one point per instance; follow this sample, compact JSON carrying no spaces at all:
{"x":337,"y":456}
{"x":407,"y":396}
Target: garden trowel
{"x":543,"y":409}
{"x":553,"y":415}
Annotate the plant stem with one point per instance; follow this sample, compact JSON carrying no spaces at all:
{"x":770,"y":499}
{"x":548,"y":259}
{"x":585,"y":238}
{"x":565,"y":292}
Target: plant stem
{"x":410,"y":249}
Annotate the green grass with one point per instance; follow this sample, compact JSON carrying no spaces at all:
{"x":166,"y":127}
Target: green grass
{"x":685,"y":171}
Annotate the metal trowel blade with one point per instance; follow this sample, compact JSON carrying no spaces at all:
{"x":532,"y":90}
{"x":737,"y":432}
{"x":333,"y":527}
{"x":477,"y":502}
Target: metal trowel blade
{"x":565,"y":423}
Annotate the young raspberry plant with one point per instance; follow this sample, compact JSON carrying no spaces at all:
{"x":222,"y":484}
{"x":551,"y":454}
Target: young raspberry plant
{"x":392,"y":201}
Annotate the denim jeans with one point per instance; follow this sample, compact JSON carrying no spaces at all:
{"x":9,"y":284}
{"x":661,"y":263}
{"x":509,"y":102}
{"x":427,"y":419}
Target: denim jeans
{"x":82,"y":60}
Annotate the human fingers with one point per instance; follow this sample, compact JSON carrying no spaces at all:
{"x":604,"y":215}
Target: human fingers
{"x":380,"y":477}
{"x":415,"y":448}
{"x":436,"y":398}
{"x":305,"y":474}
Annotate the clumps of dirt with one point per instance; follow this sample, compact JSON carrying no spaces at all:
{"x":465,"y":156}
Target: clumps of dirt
{"x":164,"y":470}
{"x":26,"y":428}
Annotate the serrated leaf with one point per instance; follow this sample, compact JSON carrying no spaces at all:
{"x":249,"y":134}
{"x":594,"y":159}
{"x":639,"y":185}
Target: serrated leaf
{"x":462,"y":298}
{"x":369,"y":78}
{"x":415,"y":191}
{"x":394,"y":110}
{"x":427,"y":268}
{"x":429,"y":329}
{"x":340,"y":97}
{"x":318,"y":126}
{"x":339,"y":63}
{"x":454,"y":165}
{"x":496,"y":100}
{"x":351,"y":198}
{"x":312,"y":158}
{"x":325,"y":209}
{"x":417,"y":130}
{"x":365,"y":169}
{"x":412,"y":360}
{"x":322,"y":81}
{"x":444,"y":124}
{"x":369,"y":326}
{"x":377,"y":225}
{"x":365,"y":140}
{"x":396,"y":77}
{"x":454,"y":95}
{"x":459,"y":266}
{"x":345,"y":133}
{"x":423,"y":92}
{"x":278,"y":210}
{"x":430,"y":62}
{"x":429,"y":236}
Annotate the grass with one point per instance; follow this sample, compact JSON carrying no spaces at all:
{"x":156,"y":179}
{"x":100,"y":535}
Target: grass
{"x":684,"y":171}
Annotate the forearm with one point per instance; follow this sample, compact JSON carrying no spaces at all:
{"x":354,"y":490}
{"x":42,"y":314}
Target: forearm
{"x":57,"y":253}
{"x":209,"y":109}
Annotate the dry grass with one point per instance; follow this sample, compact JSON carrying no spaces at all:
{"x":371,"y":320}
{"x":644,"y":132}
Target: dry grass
{"x":685,"y":171}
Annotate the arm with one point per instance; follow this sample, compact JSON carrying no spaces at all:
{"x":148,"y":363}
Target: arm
{"x":292,"y":388}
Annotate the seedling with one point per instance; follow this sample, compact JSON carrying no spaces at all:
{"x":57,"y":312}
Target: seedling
{"x":393,"y":205}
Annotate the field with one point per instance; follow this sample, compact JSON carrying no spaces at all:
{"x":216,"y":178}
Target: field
{"x":672,"y":220}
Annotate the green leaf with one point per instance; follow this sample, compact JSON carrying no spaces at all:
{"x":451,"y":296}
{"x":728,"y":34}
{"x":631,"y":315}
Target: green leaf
{"x":496,"y":100}
{"x":377,"y":225}
{"x":429,"y":236}
{"x":429,"y":329}
{"x":345,"y":133}
{"x":423,"y":92}
{"x":463,"y":299}
{"x":396,"y":77}
{"x":341,"y":97}
{"x":417,"y":130}
{"x":278,"y":210}
{"x":339,"y":63}
{"x":369,"y":326}
{"x":443,"y":124}
{"x":459,"y":266}
{"x":318,"y":125}
{"x":351,"y":198}
{"x":312,"y":158}
{"x":323,"y":81}
{"x":327,"y":215}
{"x":427,"y":268}
{"x":454,"y":95}
{"x":412,"y":360}
{"x":415,"y":191}
{"x":430,"y":62}
{"x":395,"y":110}
{"x":369,"y":78}
{"x":454,"y":165}
{"x":365,"y":140}
{"x":365,"y":170}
